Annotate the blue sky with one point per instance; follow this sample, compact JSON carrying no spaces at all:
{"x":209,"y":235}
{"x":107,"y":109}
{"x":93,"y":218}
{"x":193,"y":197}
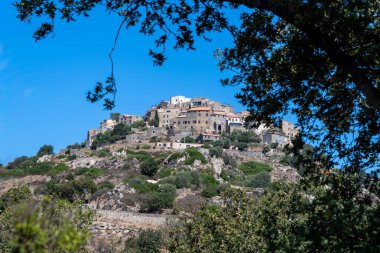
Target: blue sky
{"x":43,"y":85}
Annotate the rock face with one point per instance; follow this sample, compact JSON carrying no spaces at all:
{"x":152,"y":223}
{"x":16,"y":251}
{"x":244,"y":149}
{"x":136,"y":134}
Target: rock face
{"x":113,"y":199}
{"x":217,"y":164}
{"x":284,"y":173}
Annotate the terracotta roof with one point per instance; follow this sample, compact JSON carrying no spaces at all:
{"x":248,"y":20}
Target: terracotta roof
{"x":232,"y":116}
{"x":199,"y":109}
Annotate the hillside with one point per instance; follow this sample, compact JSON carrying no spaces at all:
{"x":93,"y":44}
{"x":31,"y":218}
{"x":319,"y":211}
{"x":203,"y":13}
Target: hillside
{"x":133,"y":190}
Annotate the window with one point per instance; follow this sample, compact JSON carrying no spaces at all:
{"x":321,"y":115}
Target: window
{"x":199,"y":121}
{"x":206,"y":114}
{"x":194,"y":122}
{"x":199,"y":114}
{"x":206,"y":122}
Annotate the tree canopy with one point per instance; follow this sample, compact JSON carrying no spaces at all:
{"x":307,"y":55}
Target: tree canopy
{"x":316,"y":59}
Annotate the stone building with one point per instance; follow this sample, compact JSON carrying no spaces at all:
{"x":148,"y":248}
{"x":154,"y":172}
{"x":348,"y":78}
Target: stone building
{"x":129,"y":119}
{"x":289,"y":129}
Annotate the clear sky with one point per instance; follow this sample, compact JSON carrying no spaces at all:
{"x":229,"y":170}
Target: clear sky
{"x":43,"y":85}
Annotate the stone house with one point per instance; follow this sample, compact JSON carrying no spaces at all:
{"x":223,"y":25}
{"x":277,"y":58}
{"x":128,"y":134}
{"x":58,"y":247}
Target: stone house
{"x":209,"y":137}
{"x":276,"y":137}
{"x":129,"y":118}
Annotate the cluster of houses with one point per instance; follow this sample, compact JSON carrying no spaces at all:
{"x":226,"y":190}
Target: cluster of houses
{"x":200,"y":118}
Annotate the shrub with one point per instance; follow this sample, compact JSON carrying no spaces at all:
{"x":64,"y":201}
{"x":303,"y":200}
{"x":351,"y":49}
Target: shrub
{"x":106,"y":185}
{"x":9,"y":173}
{"x":145,"y":146}
{"x":141,"y":185}
{"x":41,"y":168}
{"x":162,"y":198}
{"x":210,"y":191}
{"x":187,"y":139}
{"x":274,"y":145}
{"x":126,"y":166}
{"x":194,"y":154}
{"x":103,"y":152}
{"x":216,"y":151}
{"x":266,"y":149}
{"x":164,"y":172}
{"x":16,"y":162}
{"x":45,"y":150}
{"x":14,"y":196}
{"x":59,"y":168}
{"x":183,"y":179}
{"x":260,"y":180}
{"x":148,"y":241}
{"x":208,"y":179}
{"x":89,"y":172}
{"x":175,"y":156}
{"x":251,"y":168}
{"x":149,"y":167}
{"x":242,"y":146}
{"x":72,"y":157}
{"x":229,"y":160}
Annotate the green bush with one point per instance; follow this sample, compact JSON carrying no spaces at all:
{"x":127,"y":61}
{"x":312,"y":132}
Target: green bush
{"x":71,"y":190}
{"x":149,"y":167}
{"x":210,"y":191}
{"x":194,"y":154}
{"x":148,"y":241}
{"x":103,"y":152}
{"x":45,"y":150}
{"x":59,"y":168}
{"x":141,"y":185}
{"x":274,"y":145}
{"x":145,"y":146}
{"x":229,"y":160}
{"x":9,"y":173}
{"x":266,"y":149}
{"x":208,"y":179}
{"x":183,"y":179}
{"x":252,"y":168}
{"x":164,"y":172}
{"x":40,"y":168}
{"x":106,"y":185}
{"x":175,"y":156}
{"x":216,"y":151}
{"x":259,"y":180}
{"x":89,"y":172}
{"x":162,"y":198}
{"x":126,"y":166}
{"x":14,"y":196}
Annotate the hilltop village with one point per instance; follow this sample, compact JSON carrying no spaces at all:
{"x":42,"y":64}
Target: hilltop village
{"x":183,"y":122}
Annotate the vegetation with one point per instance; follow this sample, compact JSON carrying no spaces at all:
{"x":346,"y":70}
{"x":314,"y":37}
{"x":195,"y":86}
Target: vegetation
{"x":194,"y":154}
{"x":45,"y":150}
{"x":89,"y":172}
{"x":216,"y":151}
{"x":183,"y":179}
{"x":252,"y":168}
{"x":187,"y":139}
{"x":148,"y":241}
{"x":27,"y":225}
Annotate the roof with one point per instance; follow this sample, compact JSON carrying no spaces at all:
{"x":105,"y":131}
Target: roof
{"x":232,"y":116}
{"x":200,"y":109}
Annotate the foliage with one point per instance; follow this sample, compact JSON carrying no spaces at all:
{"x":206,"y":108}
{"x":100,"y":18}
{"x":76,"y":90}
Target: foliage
{"x":138,"y":124}
{"x":59,"y":168}
{"x":149,"y":167}
{"x":274,"y":145}
{"x":252,"y":167}
{"x":287,"y":218}
{"x":156,"y":121}
{"x":14,"y":196}
{"x":165,"y":172}
{"x":141,"y":185}
{"x":194,"y":154}
{"x":216,"y":151}
{"x":104,"y":152}
{"x":162,"y":198}
{"x":242,"y":146}
{"x":266,"y":149}
{"x":71,"y":190}
{"x":183,"y":179}
{"x":145,"y":146}
{"x":45,"y":150}
{"x":118,"y":132}
{"x":46,"y":226}
{"x":148,"y":241}
{"x":16,"y":162}
{"x":114,"y":116}
{"x":189,"y":203}
{"x":89,"y":172}
{"x":244,"y":137}
{"x":187,"y":139}
{"x":259,"y":180}
{"x":229,"y":160}
{"x":106,"y":185}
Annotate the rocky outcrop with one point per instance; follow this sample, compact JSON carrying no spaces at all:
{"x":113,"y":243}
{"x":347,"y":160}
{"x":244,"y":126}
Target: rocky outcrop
{"x":284,"y":173}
